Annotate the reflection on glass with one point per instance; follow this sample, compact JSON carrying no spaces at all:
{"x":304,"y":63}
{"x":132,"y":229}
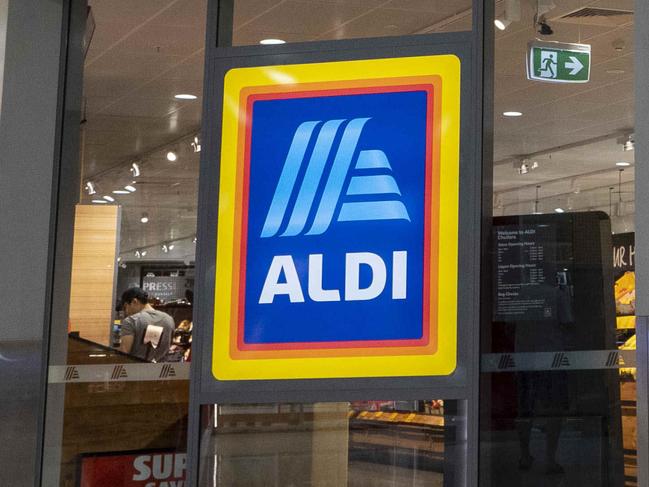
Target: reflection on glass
{"x":365,"y":443}
{"x":282,"y":21}
{"x":559,"y":350}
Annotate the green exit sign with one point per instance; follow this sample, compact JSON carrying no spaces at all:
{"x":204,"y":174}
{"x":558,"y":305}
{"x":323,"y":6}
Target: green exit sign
{"x":558,"y":62}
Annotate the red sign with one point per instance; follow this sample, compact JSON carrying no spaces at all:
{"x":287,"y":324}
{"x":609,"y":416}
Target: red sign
{"x":142,"y":469}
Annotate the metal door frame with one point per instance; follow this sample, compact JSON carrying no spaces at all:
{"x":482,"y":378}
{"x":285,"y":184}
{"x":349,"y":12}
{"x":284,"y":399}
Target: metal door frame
{"x":480,"y":42}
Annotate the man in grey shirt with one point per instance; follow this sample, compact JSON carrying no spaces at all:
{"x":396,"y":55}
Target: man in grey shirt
{"x":146,"y":332}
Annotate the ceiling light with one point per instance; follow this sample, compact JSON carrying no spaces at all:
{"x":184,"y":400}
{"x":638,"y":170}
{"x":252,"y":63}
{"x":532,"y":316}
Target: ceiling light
{"x":135,"y":169}
{"x":90,"y":188}
{"x":627,"y":141}
{"x":143,"y":253}
{"x":109,"y":198}
{"x":623,"y":164}
{"x":119,"y":259}
{"x":523,"y":169}
{"x":129,"y":188}
{"x":172,"y":156}
{"x":511,"y":14}
{"x":512,"y":114}
{"x":121,"y":191}
{"x":269,"y":42}
{"x":100,"y":201}
{"x":194,"y":240}
{"x":170,"y":246}
{"x":138,"y":254}
{"x":196,"y":144}
{"x":145,"y":217}
{"x":165,"y":249}
{"x":185,"y":96}
{"x":574,"y":186}
{"x":559,"y":210}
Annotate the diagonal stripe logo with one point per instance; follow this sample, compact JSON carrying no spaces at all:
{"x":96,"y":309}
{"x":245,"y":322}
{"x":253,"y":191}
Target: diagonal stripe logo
{"x":167,"y":371}
{"x":506,"y":362}
{"x":380,"y":185}
{"x":71,"y":373}
{"x":119,"y":372}
{"x":559,"y":360}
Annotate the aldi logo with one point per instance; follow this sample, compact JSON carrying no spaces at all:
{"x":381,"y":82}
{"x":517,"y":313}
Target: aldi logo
{"x":337,"y":232}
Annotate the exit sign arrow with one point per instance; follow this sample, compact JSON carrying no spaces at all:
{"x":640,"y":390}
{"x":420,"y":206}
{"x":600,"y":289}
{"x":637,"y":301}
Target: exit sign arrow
{"x":558,"y":62}
{"x":574,"y":65}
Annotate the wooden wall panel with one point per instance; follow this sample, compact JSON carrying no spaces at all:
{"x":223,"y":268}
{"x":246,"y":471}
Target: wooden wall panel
{"x":96,"y":233}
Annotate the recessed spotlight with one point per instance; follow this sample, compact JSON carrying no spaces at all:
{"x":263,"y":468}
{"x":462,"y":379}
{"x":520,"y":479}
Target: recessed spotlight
{"x":623,"y":164}
{"x":171,"y":156}
{"x":129,"y":188}
{"x":121,"y":191}
{"x":185,"y":96}
{"x":101,"y":202}
{"x":145,"y":217}
{"x":269,"y":42}
{"x":109,"y":198}
{"x":559,"y":210}
{"x":512,"y":114}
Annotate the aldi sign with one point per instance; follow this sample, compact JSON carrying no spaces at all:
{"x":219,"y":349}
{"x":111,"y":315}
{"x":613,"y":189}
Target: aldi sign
{"x":338,"y":220}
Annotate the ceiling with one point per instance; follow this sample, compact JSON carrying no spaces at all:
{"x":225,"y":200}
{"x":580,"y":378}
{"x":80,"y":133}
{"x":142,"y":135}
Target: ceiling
{"x":143,"y":53}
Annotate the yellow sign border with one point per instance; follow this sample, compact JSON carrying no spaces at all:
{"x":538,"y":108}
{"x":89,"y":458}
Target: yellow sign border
{"x":443,"y":361}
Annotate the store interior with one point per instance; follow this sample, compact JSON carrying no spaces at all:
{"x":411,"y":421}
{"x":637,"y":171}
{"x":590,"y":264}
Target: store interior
{"x":558,"y":148}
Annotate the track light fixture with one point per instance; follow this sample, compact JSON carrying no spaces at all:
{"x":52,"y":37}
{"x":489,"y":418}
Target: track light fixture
{"x":135,"y":169}
{"x":512,"y":13}
{"x":145,"y":217}
{"x":544,"y":28}
{"x":540,"y":23}
{"x":90,"y":188}
{"x":526,"y":166}
{"x":574,"y":186}
{"x":535,"y":208}
{"x":196,"y":144}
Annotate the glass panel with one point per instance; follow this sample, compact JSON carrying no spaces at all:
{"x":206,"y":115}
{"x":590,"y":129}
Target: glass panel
{"x":4,"y":5}
{"x":377,"y":443}
{"x":559,"y":351}
{"x":268,"y":21}
{"x":110,"y":408}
